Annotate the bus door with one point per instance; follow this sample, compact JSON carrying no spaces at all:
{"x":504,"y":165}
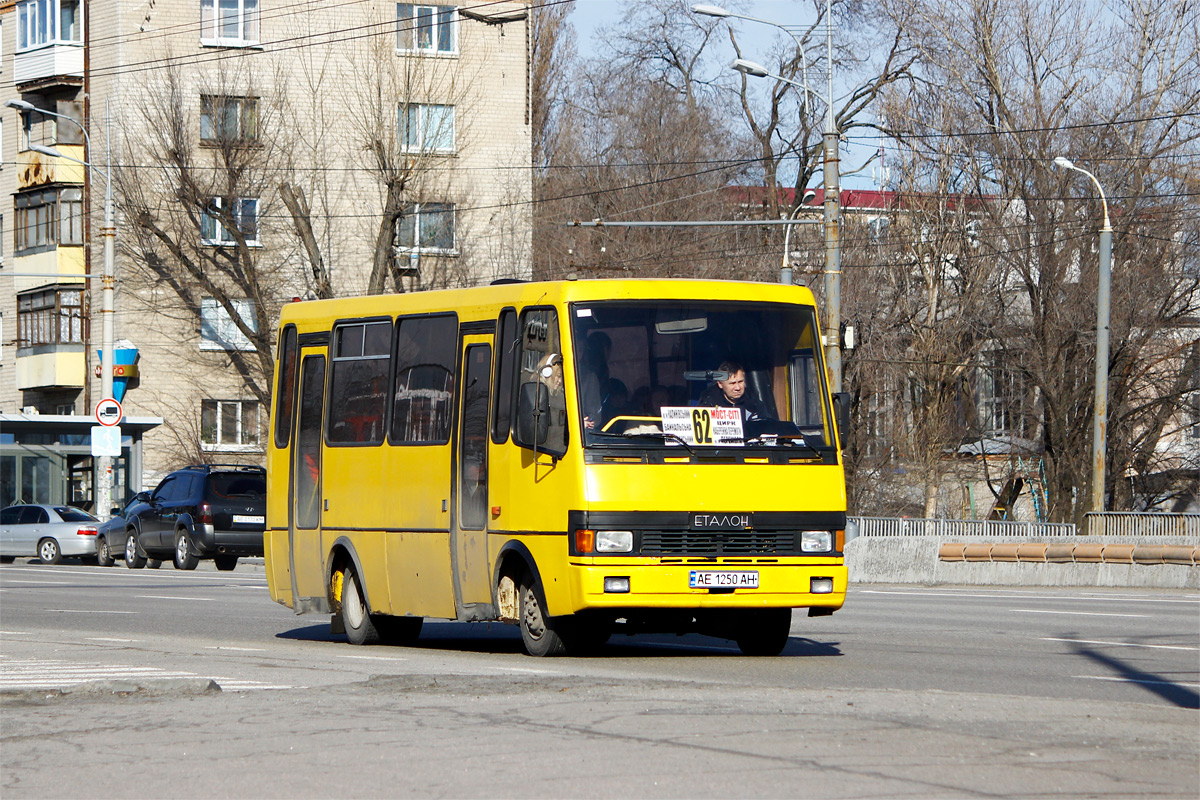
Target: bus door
{"x":468,"y":532}
{"x":304,"y":517}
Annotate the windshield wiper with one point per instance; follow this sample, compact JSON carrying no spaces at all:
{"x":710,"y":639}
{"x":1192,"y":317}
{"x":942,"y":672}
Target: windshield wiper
{"x":791,"y":438}
{"x":669,"y":437}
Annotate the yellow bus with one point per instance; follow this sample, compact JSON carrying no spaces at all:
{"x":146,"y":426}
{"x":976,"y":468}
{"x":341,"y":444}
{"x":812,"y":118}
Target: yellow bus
{"x":579,"y":458}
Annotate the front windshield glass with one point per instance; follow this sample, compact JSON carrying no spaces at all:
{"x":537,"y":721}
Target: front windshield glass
{"x":646,"y":370}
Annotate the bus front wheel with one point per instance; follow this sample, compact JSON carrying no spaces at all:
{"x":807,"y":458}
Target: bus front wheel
{"x":359,"y":627}
{"x":539,"y":632}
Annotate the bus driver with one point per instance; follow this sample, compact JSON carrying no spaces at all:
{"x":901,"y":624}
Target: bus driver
{"x":731,"y":393}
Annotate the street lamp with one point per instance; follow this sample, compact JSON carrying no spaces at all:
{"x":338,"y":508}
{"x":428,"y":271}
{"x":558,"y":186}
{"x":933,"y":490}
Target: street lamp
{"x":833,"y":248}
{"x":104,"y":463}
{"x":1103,"y":302}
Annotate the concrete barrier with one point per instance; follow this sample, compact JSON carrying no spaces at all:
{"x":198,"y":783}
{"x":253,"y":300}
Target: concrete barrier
{"x":1069,"y":561}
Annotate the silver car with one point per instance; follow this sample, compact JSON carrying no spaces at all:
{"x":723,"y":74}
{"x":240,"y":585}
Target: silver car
{"x":47,"y":532}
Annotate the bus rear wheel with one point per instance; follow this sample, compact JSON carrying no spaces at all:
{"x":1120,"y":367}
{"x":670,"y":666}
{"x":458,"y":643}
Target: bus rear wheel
{"x":765,"y":632}
{"x":360,"y":629}
{"x":539,"y":632}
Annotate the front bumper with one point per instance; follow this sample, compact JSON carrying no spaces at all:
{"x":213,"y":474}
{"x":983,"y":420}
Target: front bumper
{"x":783,"y":583}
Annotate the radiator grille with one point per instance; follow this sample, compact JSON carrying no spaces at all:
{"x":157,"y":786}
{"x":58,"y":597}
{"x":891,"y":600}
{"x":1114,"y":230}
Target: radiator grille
{"x":710,"y":543}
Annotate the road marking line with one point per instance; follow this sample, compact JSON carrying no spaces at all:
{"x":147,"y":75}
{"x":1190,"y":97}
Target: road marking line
{"x":1120,"y":644}
{"x":530,"y":671}
{"x":1073,"y":613}
{"x":375,"y":658}
{"x":87,"y":611}
{"x":1020,"y":596}
{"x":106,"y":639}
{"x":35,"y":673}
{"x":239,"y":649}
{"x":16,"y":633}
{"x":1134,"y":680}
{"x":168,"y":597}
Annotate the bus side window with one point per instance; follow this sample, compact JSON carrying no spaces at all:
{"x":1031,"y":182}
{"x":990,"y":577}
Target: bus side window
{"x":358,"y":392}
{"x":539,"y":339}
{"x":285,"y":393}
{"x":426,"y":351}
{"x":507,"y":345}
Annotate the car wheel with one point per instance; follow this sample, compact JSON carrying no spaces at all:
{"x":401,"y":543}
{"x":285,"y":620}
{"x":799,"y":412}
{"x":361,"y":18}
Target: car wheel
{"x":225,"y":563}
{"x":360,"y":629}
{"x":184,"y":559}
{"x":49,"y":552}
{"x":133,"y":559}
{"x":103,"y":556}
{"x":539,"y":632}
{"x":765,"y":632}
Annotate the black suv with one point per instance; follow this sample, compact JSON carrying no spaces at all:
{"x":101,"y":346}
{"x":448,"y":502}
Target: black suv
{"x":215,"y":511}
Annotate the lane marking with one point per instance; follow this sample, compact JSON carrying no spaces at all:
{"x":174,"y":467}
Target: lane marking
{"x":1133,"y":680}
{"x":238,"y":649}
{"x":1120,"y":644}
{"x":1021,"y":596}
{"x":107,"y":639}
{"x":37,"y":673}
{"x":375,"y":658}
{"x":528,"y":671}
{"x":1073,"y":613}
{"x":169,"y":597}
{"x":87,"y":611}
{"x":16,"y":633}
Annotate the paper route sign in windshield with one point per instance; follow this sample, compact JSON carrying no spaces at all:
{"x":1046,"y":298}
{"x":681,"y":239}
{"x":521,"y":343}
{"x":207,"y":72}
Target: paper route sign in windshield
{"x":703,"y":426}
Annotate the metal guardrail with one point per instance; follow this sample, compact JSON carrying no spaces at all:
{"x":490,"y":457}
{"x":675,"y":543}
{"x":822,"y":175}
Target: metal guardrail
{"x":1119,"y":523}
{"x":1115,"y":523}
{"x":896,"y":526}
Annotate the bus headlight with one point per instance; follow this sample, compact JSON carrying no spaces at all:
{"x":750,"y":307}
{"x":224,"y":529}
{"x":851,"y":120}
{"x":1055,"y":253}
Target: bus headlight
{"x":614,"y":541}
{"x":816,"y":541}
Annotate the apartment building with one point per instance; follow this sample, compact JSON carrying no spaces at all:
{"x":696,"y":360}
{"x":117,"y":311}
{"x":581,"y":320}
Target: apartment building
{"x":259,"y":151}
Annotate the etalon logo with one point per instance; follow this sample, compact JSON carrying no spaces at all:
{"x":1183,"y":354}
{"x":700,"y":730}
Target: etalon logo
{"x":722,"y":522}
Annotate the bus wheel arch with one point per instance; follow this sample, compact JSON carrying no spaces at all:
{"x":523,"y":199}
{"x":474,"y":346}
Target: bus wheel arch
{"x":513,"y":562}
{"x":343,"y":558}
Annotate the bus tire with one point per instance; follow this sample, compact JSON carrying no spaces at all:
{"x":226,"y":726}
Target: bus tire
{"x":359,"y":627}
{"x":397,"y":630}
{"x":539,"y":632}
{"x":765,"y":632}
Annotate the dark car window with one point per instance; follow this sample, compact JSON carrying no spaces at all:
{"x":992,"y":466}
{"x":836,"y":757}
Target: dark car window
{"x":195,"y":485}
{"x":68,"y":514}
{"x":166,"y":490}
{"x":9,"y":515}
{"x":233,"y":484}
{"x":33,"y":515}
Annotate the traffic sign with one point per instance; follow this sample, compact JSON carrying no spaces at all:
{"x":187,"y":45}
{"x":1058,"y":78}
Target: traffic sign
{"x":108,"y":412}
{"x":106,"y":440}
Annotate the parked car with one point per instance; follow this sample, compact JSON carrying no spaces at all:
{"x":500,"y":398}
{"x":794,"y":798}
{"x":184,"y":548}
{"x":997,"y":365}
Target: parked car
{"x":215,"y":511}
{"x":110,"y":535}
{"x":47,"y":532}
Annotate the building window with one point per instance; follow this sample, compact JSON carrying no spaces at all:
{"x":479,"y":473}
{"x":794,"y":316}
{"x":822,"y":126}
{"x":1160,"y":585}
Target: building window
{"x":1001,"y":397}
{"x":48,"y":219}
{"x":228,"y":119}
{"x":51,"y":316}
{"x":431,"y":29}
{"x":213,"y":228}
{"x":229,"y":22}
{"x":426,"y":227}
{"x":43,"y":22}
{"x":229,"y":424}
{"x":217,"y":329}
{"x":427,"y":128}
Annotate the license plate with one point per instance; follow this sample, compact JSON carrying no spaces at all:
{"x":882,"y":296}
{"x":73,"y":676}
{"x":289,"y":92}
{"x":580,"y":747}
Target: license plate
{"x":249,"y":519}
{"x":722,"y":579}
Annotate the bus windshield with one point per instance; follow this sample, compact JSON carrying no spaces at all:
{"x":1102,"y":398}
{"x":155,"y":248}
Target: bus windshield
{"x":645,"y":370}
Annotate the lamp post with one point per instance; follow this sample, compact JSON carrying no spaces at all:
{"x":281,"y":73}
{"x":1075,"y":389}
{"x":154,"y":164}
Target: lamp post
{"x":833,"y":249}
{"x":104,"y":463}
{"x":1100,"y":404}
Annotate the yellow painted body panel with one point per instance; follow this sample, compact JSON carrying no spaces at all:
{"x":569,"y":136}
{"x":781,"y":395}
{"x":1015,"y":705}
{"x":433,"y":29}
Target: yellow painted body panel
{"x":394,"y":503}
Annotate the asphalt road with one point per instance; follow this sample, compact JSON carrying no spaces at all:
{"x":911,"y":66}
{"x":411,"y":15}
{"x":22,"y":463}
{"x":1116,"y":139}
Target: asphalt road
{"x":154,"y":683}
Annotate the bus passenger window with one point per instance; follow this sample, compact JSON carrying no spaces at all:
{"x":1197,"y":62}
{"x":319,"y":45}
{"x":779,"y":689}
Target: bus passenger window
{"x":285,"y":392}
{"x":426,"y":348}
{"x":358,"y":392}
{"x":506,"y":365}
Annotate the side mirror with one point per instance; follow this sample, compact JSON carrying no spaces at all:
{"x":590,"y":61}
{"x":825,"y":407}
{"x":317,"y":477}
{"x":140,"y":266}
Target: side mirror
{"x":114,"y":512}
{"x":841,"y":410}
{"x":142,"y":497}
{"x":533,"y":415}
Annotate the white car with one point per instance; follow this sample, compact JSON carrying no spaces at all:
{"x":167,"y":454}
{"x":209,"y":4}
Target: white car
{"x":47,"y":532}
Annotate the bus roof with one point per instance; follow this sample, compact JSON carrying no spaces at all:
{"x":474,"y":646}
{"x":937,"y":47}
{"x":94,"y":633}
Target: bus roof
{"x":489,"y":299}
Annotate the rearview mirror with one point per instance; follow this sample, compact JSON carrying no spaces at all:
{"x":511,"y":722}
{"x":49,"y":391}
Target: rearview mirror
{"x":533,"y":415}
{"x":841,"y":410}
